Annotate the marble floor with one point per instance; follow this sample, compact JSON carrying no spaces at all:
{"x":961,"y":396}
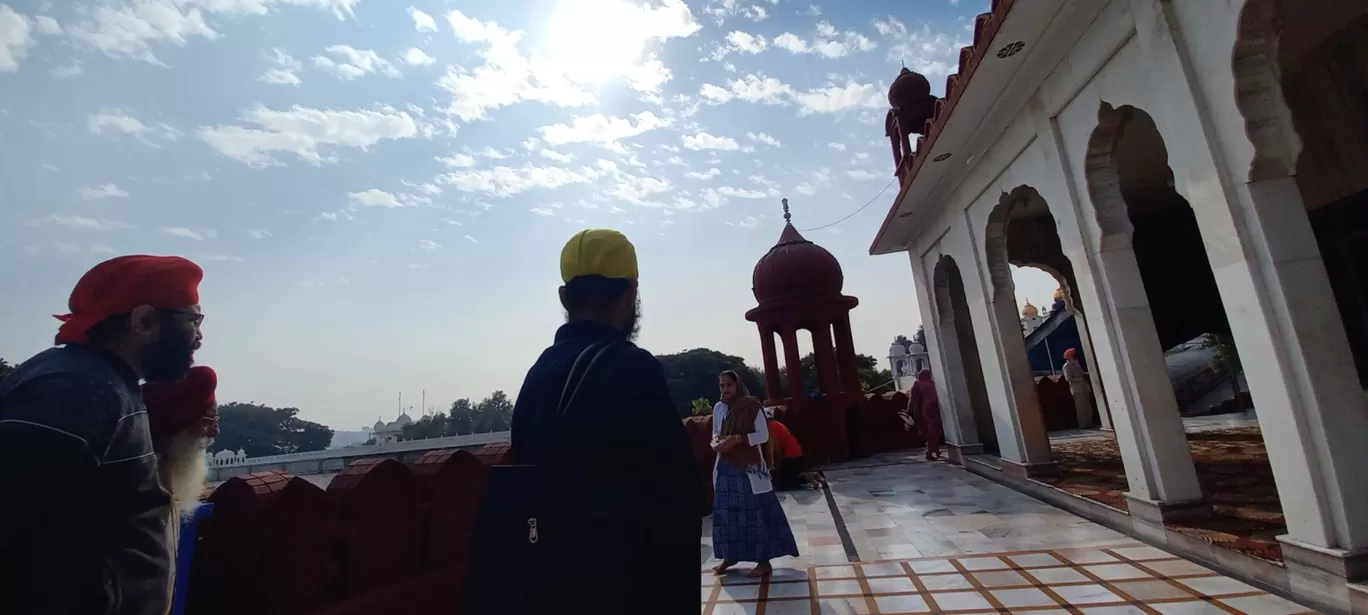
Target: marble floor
{"x":901,"y":535}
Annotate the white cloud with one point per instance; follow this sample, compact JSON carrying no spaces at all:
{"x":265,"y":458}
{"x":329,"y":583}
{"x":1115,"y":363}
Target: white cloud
{"x":601,"y":130}
{"x":740,"y":42}
{"x":15,"y":39}
{"x":862,"y":174}
{"x":933,"y":54}
{"x":221,"y":258}
{"x":284,"y":70}
{"x":107,"y":191}
{"x":840,"y":147}
{"x":764,"y":138}
{"x":180,"y":231}
{"x":828,"y":43}
{"x":837,"y":98}
{"x":748,"y":222}
{"x":259,"y":233}
{"x":351,"y":62}
{"x":422,"y":22}
{"x":416,"y":57}
{"x":816,"y":182}
{"x":720,"y":10}
{"x":305,"y":132}
{"x":428,"y":244}
{"x":121,"y":121}
{"x":755,"y":88}
{"x":555,"y":155}
{"x":705,"y":141}
{"x":458,"y":161}
{"x":133,"y":27}
{"x":709,"y":174}
{"x":81,"y":222}
{"x":813,"y":11}
{"x":471,"y":239}
{"x":46,"y":25}
{"x":374,"y":197}
{"x":505,"y":181}
{"x":542,"y":211}
{"x":96,"y":248}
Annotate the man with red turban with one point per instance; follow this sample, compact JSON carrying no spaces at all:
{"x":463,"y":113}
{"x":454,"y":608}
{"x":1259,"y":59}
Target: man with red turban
{"x":85,"y":522}
{"x":1079,"y":386}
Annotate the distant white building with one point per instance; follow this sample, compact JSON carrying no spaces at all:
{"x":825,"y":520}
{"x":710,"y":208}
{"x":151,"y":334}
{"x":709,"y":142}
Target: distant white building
{"x":906,"y":359}
{"x":225,"y":458}
{"x":388,"y":433}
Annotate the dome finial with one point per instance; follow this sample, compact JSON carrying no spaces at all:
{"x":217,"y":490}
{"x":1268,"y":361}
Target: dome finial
{"x":787,"y":217}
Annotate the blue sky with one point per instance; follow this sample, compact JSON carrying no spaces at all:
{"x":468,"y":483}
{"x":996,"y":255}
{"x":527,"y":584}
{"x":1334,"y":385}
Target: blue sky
{"x":378,"y":192}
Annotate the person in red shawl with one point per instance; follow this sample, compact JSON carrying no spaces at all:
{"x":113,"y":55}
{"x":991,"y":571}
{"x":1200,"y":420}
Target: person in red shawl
{"x":85,"y":522}
{"x":924,"y":404}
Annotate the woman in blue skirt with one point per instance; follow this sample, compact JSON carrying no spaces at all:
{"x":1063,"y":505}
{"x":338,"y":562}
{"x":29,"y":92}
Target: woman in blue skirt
{"x":748,"y":523}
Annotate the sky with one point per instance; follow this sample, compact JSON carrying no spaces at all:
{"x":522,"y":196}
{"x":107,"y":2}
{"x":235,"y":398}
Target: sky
{"x":379,"y":192}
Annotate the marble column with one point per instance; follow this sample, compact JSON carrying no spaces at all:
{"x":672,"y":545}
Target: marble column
{"x":1033,"y":441}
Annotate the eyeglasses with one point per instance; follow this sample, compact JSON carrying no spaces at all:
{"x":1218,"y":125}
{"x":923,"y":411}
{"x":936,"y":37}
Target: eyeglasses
{"x":195,"y":318}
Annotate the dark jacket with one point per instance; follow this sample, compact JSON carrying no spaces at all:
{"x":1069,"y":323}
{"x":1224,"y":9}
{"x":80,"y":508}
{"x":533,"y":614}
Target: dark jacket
{"x":624,"y":432}
{"x":83,"y":515}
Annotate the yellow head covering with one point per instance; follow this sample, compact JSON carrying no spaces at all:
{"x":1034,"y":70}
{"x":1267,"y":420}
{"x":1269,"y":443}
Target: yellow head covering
{"x":599,"y":252}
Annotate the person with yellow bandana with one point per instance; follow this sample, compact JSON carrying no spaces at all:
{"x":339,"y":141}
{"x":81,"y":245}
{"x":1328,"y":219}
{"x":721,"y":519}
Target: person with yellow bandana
{"x":624,"y":463}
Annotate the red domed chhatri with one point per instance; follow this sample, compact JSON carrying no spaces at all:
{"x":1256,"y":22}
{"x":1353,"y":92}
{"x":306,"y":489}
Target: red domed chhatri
{"x":798,"y":286}
{"x":795,"y":268}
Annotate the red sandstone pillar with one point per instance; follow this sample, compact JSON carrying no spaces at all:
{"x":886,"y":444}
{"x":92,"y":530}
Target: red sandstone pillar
{"x":793,"y":363}
{"x":828,"y":373}
{"x":773,"y":390}
{"x":845,"y":353}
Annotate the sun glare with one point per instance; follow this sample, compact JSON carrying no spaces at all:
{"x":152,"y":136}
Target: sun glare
{"x":593,"y":41}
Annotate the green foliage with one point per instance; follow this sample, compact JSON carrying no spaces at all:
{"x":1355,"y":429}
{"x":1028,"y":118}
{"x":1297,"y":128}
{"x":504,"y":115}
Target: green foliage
{"x":920,"y":336}
{"x":702,"y":407}
{"x":693,"y":374}
{"x":6,"y":368}
{"x":262,"y":430}
{"x":1226,"y":356}
{"x":871,"y":376}
{"x":493,"y":413}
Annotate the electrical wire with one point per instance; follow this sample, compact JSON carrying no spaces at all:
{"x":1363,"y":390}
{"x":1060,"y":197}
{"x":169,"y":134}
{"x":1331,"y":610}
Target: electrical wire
{"x":852,"y":214}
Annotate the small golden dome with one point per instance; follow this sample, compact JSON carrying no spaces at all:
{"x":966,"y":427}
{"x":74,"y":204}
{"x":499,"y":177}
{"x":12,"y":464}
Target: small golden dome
{"x":1059,"y":294}
{"x":1029,"y":311}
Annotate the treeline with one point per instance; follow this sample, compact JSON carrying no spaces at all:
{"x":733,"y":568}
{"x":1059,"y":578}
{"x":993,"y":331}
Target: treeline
{"x":491,"y":414}
{"x":692,"y":376}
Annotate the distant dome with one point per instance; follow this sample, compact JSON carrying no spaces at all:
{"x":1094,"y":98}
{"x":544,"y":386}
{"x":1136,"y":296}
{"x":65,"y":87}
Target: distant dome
{"x":404,"y":419}
{"x":796,"y":268}
{"x":1029,"y":311}
{"x":223,"y":454}
{"x":896,"y":350}
{"x":241,"y":453}
{"x":908,"y":87}
{"x":379,"y":426}
{"x":917,"y":349}
{"x":1059,"y":294}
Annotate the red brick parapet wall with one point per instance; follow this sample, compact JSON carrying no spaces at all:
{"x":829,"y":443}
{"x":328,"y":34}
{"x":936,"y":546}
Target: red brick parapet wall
{"x":387,"y":538}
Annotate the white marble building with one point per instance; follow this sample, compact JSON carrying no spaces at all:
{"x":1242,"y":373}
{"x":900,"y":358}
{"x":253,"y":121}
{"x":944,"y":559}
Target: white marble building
{"x":1086,"y":137}
{"x":388,"y":433}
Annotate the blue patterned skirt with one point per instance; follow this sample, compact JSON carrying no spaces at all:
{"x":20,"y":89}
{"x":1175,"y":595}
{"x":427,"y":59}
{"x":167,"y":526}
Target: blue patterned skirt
{"x":747,"y":527}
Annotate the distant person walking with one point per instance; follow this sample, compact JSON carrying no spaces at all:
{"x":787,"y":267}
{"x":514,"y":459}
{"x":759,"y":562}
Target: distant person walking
{"x":749,"y":524}
{"x":1079,"y":386}
{"x":623,"y":498}
{"x":924,"y":404}
{"x":86,"y":523}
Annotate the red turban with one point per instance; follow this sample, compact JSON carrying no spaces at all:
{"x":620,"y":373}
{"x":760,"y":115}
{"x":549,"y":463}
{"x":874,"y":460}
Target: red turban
{"x":176,"y":406}
{"x":120,"y":285}
{"x":1071,"y":353}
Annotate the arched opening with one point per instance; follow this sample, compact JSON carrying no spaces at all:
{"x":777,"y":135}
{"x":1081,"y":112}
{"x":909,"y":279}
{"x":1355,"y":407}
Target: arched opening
{"x":964,"y":377}
{"x":1023,"y":233}
{"x":1302,"y":75}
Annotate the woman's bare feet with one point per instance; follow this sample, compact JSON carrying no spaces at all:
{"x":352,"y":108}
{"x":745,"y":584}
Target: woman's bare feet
{"x":722,"y":568}
{"x":763,"y":569}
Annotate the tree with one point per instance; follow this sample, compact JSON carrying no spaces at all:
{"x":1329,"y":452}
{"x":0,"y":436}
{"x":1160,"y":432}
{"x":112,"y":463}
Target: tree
{"x":261,"y":430}
{"x":920,"y":336}
{"x":702,"y":407}
{"x":494,"y":413}
{"x":6,"y":368}
{"x":427,"y":427}
{"x":461,"y":418}
{"x":692,"y":374}
{"x":871,"y":377}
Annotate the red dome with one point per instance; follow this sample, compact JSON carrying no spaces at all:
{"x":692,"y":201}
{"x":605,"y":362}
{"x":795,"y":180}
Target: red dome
{"x":796,"y":268}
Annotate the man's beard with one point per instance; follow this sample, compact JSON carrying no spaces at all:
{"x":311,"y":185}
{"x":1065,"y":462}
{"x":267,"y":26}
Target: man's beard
{"x":183,"y":468}
{"x":169,"y":357}
{"x":634,"y":325}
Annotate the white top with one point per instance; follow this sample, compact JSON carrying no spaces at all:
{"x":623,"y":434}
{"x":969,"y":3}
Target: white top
{"x":759,"y":475}
{"x":1078,"y":381}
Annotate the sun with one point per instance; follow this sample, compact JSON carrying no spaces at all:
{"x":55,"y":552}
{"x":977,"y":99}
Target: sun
{"x":594,"y":41}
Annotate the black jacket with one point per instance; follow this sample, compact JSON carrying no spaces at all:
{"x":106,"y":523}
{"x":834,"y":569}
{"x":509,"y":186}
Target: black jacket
{"x":83,"y":515}
{"x":623,"y":433}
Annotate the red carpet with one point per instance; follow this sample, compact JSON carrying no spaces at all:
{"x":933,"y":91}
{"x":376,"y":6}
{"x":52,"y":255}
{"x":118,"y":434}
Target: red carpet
{"x":1232,"y":467}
